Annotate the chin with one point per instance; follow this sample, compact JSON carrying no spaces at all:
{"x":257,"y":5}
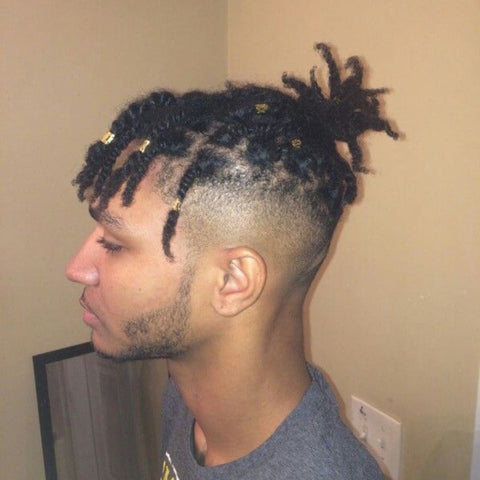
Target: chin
{"x":137,"y":352}
{"x":106,"y":351}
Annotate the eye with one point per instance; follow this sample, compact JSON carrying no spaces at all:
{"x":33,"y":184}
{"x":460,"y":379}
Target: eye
{"x":110,"y":247}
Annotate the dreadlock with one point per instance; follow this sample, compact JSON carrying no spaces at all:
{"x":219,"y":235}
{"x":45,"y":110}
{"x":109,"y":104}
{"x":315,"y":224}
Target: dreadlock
{"x":243,"y":136}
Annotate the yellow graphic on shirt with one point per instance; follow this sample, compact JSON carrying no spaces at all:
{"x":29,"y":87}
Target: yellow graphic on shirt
{"x":168,"y":469}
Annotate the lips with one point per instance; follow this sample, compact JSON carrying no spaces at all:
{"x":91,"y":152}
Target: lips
{"x":89,"y":317}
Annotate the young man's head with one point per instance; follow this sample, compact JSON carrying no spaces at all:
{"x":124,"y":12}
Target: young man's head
{"x":250,"y":171}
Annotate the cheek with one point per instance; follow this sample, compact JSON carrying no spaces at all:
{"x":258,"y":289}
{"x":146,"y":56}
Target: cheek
{"x":132,"y":291}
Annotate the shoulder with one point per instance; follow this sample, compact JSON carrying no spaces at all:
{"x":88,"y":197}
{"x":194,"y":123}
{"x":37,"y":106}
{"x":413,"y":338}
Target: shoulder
{"x":321,"y":442}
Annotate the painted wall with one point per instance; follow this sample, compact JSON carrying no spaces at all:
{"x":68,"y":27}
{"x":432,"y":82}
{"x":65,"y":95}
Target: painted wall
{"x":395,"y":317}
{"x":66,"y":68}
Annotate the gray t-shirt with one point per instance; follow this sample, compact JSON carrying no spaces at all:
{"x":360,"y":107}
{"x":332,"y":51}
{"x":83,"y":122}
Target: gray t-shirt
{"x":312,"y":443}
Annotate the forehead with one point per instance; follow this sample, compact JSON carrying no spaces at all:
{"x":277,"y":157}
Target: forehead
{"x":148,"y":206}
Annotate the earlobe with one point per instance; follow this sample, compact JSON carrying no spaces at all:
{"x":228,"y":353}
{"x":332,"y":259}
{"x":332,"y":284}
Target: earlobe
{"x":243,"y":276}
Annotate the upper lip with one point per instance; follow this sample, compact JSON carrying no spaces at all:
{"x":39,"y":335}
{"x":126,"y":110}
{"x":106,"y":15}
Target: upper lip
{"x":84,"y":303}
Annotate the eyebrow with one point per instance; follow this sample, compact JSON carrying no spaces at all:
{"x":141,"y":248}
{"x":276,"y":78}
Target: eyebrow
{"x":106,"y":217}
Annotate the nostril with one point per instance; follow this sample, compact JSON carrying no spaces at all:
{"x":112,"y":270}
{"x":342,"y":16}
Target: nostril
{"x":90,"y":277}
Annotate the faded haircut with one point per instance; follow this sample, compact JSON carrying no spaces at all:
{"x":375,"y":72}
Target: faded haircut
{"x":250,"y":162}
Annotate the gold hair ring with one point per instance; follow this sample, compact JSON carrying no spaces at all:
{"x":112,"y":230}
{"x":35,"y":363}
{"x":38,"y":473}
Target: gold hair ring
{"x":296,"y":143}
{"x":176,"y":205}
{"x":261,"y":108}
{"x":144,"y":145}
{"x":107,"y":139}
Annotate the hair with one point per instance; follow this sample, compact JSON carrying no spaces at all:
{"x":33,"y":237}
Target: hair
{"x":262,"y":150}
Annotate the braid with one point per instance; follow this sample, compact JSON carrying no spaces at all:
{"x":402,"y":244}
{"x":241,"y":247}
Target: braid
{"x":93,"y":163}
{"x":111,"y":187}
{"x":281,"y":141}
{"x":135,"y":169}
{"x":110,"y":155}
{"x":204,"y":166}
{"x":101,"y":156}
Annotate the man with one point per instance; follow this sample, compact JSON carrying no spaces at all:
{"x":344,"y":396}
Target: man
{"x":214,"y":212}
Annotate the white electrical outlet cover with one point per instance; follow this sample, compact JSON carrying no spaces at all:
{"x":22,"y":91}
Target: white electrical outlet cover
{"x":380,"y":433}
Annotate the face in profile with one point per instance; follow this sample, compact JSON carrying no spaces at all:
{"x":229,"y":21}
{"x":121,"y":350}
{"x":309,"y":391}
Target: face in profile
{"x":135,"y":300}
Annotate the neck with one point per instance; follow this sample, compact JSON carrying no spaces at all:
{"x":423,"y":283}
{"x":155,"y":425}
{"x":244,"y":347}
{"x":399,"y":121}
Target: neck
{"x":242,"y":388}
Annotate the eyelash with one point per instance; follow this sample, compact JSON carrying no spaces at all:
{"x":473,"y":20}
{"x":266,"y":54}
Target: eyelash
{"x":109,"y":246}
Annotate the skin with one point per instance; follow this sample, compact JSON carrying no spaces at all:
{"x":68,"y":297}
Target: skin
{"x":231,"y":320}
{"x":119,"y":265}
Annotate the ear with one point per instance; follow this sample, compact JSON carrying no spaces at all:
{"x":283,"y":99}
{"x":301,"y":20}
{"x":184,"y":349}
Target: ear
{"x":242,"y":273}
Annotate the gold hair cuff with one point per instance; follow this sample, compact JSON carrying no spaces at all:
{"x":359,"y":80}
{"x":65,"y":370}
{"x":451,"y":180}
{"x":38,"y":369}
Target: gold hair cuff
{"x":144,"y":145}
{"x":261,"y":108}
{"x":296,"y":143}
{"x":177,"y":205}
{"x":107,"y":139}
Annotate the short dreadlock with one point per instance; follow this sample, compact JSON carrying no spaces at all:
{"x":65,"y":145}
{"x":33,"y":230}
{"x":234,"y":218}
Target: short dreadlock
{"x":253,"y":143}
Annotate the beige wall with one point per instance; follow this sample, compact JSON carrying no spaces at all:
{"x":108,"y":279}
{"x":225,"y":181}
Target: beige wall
{"x":395,"y":317}
{"x":66,"y":68}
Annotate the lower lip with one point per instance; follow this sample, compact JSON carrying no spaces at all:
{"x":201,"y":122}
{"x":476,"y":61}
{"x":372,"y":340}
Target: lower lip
{"x":90,"y":319}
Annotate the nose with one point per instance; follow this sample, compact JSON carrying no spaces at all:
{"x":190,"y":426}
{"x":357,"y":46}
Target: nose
{"x":82,"y":268}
